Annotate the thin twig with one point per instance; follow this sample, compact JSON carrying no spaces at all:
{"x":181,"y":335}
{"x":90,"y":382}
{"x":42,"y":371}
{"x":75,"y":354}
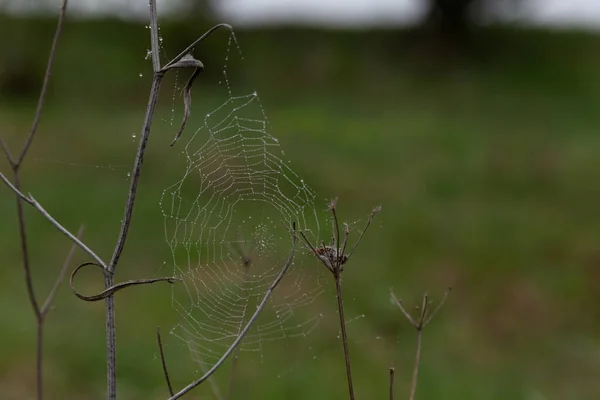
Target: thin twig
{"x":7,"y":153}
{"x":369,"y":221}
{"x":24,"y":246}
{"x":441,"y":303}
{"x":42,"y":98}
{"x":340,"y":302}
{"x":137,"y":165}
{"x":309,"y":245}
{"x":211,"y":381}
{"x":251,"y":321}
{"x":392,"y":373}
{"x":41,"y":319}
{"x":154,"y":42}
{"x":164,"y":363}
{"x":15,"y":164}
{"x":424,"y":318}
{"x":191,"y":47}
{"x":346,"y":237}
{"x":31,"y":201}
{"x":335,"y":227}
{"x":413,"y":387}
{"x":61,"y":276}
{"x":114,"y":288}
{"x":401,"y":307}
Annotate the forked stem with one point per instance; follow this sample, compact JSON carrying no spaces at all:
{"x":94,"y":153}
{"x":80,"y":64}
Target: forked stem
{"x":340,"y":303}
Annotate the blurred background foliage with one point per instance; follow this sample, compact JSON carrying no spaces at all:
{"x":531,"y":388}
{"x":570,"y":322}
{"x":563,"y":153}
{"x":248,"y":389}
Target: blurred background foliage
{"x":480,"y":142}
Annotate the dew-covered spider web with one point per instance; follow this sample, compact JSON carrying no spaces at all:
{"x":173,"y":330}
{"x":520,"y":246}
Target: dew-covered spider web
{"x":227,"y":223}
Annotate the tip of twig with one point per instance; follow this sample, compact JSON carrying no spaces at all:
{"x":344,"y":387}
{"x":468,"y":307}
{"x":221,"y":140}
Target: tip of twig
{"x":376,"y":210}
{"x":332,"y":204}
{"x":173,"y":280}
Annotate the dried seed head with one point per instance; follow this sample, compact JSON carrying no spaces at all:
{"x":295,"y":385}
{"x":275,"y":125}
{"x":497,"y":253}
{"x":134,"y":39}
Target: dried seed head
{"x":332,"y":204}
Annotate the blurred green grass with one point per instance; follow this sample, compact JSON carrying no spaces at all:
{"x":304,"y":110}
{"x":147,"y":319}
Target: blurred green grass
{"x":486,"y":165}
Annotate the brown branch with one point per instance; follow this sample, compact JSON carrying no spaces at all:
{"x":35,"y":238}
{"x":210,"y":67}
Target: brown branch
{"x":25,"y":251}
{"x":398,"y":303}
{"x":392,"y":373}
{"x":340,"y":302}
{"x":413,"y":386}
{"x":41,"y":319}
{"x":191,"y":47}
{"x":441,"y":303}
{"x":108,"y":292}
{"x":135,"y":177}
{"x":7,"y":153}
{"x":42,"y":98}
{"x":375,"y":211}
{"x":15,"y":165}
{"x":61,"y":276}
{"x":33,"y":202}
{"x":162,"y":359}
{"x":335,"y":228}
{"x":334,"y":258}
{"x":309,"y":245}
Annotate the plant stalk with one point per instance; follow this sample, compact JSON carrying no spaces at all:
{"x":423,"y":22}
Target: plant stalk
{"x":340,"y":303}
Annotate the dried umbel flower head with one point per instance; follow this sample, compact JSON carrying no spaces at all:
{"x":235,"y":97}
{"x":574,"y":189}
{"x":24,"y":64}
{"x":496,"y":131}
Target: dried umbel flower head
{"x":334,"y":256}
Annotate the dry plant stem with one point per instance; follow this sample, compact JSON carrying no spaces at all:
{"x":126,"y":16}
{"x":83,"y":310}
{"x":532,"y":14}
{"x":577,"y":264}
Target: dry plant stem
{"x":340,"y":303}
{"x":191,"y":46}
{"x":33,"y":202}
{"x":162,"y":359}
{"x":419,"y":323}
{"x":392,"y":373}
{"x":244,"y":331}
{"x":42,"y":98}
{"x":413,"y":386}
{"x":111,"y":346}
{"x":114,"y":288}
{"x":15,"y":164}
{"x":41,"y":318}
{"x":109,"y":274}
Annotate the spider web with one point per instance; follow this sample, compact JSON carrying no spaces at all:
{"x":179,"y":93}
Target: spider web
{"x":227,"y":224}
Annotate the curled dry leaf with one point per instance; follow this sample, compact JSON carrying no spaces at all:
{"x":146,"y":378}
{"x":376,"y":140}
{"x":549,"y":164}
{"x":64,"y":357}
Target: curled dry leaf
{"x":187,"y":61}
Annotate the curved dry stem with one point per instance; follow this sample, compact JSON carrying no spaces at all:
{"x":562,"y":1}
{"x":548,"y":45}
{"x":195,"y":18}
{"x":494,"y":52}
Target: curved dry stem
{"x":190,"y":48}
{"x":114,"y":288}
{"x":251,"y":321}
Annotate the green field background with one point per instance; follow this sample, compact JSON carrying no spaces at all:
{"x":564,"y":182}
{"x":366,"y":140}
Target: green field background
{"x":485,"y":158}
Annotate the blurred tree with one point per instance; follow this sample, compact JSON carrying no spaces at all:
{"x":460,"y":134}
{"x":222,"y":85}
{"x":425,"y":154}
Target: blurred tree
{"x":453,"y":18}
{"x":450,"y":16}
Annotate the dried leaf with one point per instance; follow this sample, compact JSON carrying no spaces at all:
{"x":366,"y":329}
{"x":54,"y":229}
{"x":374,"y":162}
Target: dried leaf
{"x":187,"y":103}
